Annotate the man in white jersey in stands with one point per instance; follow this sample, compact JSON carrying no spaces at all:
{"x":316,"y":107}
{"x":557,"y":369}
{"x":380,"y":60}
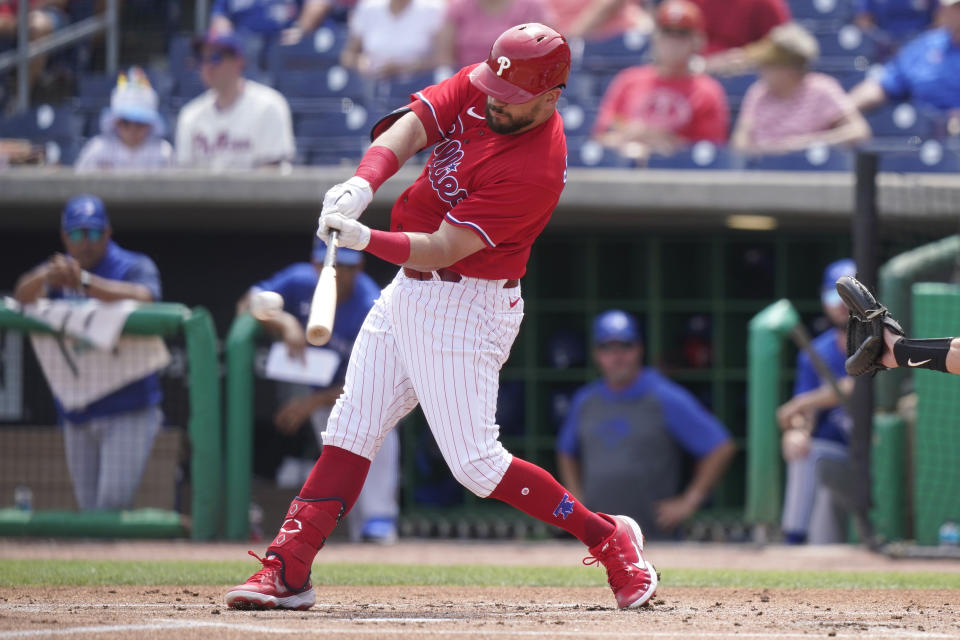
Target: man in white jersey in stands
{"x":237,"y":123}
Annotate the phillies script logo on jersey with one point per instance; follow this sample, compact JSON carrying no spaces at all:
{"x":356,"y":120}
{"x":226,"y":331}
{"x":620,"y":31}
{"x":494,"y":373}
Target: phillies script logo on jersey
{"x":442,"y":170}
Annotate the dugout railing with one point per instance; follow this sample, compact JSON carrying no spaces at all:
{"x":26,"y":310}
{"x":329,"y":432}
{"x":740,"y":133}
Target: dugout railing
{"x":202,"y":415}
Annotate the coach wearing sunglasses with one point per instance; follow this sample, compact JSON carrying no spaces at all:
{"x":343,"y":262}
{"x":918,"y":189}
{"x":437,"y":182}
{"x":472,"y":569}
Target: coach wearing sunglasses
{"x":107,"y":442}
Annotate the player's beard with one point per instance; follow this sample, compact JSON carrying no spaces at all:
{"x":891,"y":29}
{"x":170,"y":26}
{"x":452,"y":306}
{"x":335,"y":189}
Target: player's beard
{"x":510,"y":125}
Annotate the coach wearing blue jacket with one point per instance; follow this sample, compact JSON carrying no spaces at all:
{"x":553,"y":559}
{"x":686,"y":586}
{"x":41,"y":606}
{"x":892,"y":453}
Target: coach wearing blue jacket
{"x":621,"y":447}
{"x":108,"y":442}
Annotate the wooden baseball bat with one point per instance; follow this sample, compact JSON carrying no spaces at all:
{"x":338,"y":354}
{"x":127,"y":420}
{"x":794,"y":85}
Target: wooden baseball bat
{"x":324,"y":305}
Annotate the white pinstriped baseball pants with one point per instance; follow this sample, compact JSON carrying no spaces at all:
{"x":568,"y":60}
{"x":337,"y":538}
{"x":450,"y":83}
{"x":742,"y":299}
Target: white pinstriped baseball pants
{"x":441,"y":344}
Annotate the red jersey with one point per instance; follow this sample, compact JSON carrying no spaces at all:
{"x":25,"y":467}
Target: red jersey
{"x":735,"y":23}
{"x":502,"y":187}
{"x":693,"y":107}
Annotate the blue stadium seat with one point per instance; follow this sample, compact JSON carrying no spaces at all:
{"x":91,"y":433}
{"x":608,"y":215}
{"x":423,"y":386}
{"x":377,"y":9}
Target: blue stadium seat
{"x":577,"y":119}
{"x":932,"y":156}
{"x":901,"y":120}
{"x":350,"y":119}
{"x":328,"y":83}
{"x":702,"y":155}
{"x":397,"y":91}
{"x":333,"y":151}
{"x":180,"y":56}
{"x":819,"y":158}
{"x":848,"y":41}
{"x":314,"y":52}
{"x":583,"y":152}
{"x":43,"y":122}
{"x":620,"y":51}
{"x":736,"y":86}
{"x":188,"y":85}
{"x":819,"y":10}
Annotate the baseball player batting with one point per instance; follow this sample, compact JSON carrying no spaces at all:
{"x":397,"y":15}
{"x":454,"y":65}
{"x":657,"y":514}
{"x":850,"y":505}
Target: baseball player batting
{"x":440,"y":332}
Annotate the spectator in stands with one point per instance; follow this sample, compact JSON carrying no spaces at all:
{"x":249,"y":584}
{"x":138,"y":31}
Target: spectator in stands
{"x":600,"y":19}
{"x":890,"y":23}
{"x":623,"y":442}
{"x":661,"y":107}
{"x":289,"y":20}
{"x":107,"y":443}
{"x":816,"y":427}
{"x":237,"y":123}
{"x":471,"y":25}
{"x":391,"y":38}
{"x":44,"y":17}
{"x":926,"y":70}
{"x":790,"y":107}
{"x":374,"y":516}
{"x":130,"y":130}
{"x":732,"y":25}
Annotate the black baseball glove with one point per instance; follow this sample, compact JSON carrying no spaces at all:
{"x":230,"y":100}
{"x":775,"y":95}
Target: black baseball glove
{"x":868,"y":318}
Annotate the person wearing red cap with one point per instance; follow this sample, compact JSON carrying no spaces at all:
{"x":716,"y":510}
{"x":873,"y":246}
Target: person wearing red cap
{"x":440,"y":332}
{"x":661,"y":107}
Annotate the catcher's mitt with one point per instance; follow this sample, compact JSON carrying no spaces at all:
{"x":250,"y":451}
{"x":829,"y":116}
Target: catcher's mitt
{"x":865,"y":328}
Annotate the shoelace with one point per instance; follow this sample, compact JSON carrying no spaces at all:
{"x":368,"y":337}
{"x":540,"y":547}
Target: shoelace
{"x":623,"y":571}
{"x":269,"y":563}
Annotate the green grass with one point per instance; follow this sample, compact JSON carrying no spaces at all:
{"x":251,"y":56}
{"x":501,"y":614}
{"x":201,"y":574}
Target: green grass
{"x":17,"y":572}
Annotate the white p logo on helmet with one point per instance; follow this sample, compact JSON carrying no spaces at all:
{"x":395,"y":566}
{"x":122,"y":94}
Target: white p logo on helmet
{"x":505,"y":63}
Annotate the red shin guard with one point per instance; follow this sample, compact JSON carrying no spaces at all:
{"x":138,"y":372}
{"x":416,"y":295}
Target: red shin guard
{"x":535,"y":492}
{"x":328,"y":494}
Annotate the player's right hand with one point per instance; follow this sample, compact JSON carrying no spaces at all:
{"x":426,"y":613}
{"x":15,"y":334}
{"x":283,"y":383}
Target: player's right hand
{"x":350,"y":198}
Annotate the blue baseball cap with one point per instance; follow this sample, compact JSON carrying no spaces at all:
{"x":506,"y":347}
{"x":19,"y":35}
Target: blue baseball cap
{"x":346,"y":257}
{"x":615,"y":326}
{"x":227,"y":42}
{"x":834,"y":271}
{"x":84,"y":212}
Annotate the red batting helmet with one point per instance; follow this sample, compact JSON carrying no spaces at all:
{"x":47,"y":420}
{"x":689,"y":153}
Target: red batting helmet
{"x":525,"y":62}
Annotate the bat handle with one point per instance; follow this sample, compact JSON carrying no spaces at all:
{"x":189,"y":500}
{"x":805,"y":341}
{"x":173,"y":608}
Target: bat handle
{"x":330,"y":259}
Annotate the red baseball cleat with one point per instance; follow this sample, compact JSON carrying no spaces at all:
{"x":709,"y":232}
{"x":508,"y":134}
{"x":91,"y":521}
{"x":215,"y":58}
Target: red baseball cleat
{"x":633,"y":579}
{"x":266,"y":589}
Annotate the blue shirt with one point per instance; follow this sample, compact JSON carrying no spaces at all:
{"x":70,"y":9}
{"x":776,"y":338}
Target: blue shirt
{"x":258,"y":16}
{"x":832,"y":424}
{"x":899,"y":18}
{"x":126,"y":266}
{"x":296,"y":284}
{"x":926,"y":70}
{"x":694,"y":428}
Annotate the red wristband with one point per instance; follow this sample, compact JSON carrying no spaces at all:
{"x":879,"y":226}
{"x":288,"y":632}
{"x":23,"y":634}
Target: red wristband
{"x":392,"y":246}
{"x":378,"y":164}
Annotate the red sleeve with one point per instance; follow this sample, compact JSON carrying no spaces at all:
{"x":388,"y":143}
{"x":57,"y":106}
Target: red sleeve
{"x":767,"y":15}
{"x":712,"y":116}
{"x":503,"y":211}
{"x":611,"y":106}
{"x":438,"y":105}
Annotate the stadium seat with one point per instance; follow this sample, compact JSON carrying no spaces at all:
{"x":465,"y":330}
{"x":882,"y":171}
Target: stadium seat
{"x":817,"y":158}
{"x":318,"y":51}
{"x":43,"y":122}
{"x":901,"y":120}
{"x":848,"y":41}
{"x":819,"y":10}
{"x":332,"y":151}
{"x":623,"y":50}
{"x":334,"y":82}
{"x":932,"y":156}
{"x":350,"y":119}
{"x":702,"y":155}
{"x":577,"y":119}
{"x":736,"y":86}
{"x":180,"y":56}
{"x":397,"y":91}
{"x":583,"y":152}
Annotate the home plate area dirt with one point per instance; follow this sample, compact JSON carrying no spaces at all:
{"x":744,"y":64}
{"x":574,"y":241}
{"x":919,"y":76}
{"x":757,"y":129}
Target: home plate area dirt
{"x":481,"y":612}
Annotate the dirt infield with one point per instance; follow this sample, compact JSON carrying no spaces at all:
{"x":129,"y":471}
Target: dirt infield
{"x":476,"y":613}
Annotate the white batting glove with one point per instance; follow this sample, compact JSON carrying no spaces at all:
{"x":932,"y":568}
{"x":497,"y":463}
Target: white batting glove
{"x":350,"y":198}
{"x":353,"y":234}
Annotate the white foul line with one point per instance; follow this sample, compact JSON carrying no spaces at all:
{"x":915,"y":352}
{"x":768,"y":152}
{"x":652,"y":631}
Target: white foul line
{"x":168,"y":624}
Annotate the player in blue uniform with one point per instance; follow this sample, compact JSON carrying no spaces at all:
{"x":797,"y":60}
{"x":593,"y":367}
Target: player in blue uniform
{"x":108,"y":442}
{"x":374,"y":517}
